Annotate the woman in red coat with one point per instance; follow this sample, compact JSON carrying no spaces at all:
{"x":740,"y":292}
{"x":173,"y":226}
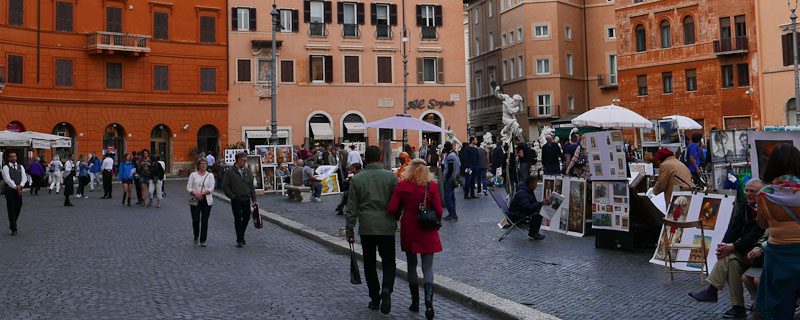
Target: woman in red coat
{"x":414,"y":239}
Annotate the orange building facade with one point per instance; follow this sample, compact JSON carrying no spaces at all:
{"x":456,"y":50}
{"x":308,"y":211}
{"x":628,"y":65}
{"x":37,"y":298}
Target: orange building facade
{"x":117,"y":75}
{"x":692,"y":58}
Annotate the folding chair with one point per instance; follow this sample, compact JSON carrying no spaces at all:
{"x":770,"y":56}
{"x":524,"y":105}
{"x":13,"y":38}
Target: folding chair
{"x":668,"y":247}
{"x":503,"y":204}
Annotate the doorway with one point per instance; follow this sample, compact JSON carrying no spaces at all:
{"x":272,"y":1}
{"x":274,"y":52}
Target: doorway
{"x":161,"y":144}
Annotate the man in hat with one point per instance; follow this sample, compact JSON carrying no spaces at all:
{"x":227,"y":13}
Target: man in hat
{"x":671,"y":173}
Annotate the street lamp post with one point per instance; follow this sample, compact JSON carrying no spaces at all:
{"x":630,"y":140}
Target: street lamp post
{"x":793,"y":17}
{"x":405,"y":73}
{"x":276,"y":23}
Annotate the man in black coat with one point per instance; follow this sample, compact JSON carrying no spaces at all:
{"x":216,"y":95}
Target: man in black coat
{"x":472,"y":164}
{"x":742,"y":236}
{"x":525,"y":206}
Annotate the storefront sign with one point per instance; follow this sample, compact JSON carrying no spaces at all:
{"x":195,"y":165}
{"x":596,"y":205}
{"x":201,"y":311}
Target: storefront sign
{"x":429,"y":104}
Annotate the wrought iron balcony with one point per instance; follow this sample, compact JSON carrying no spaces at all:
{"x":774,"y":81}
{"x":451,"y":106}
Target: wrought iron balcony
{"x":607,"y":81}
{"x":730,"y":46}
{"x":110,"y":42}
{"x":316,"y":29}
{"x":383,"y":32}
{"x":429,"y":33}
{"x":351,"y":31}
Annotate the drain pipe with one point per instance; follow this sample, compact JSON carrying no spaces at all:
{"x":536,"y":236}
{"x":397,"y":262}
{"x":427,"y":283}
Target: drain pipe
{"x":586,"y":59}
{"x":38,"y":39}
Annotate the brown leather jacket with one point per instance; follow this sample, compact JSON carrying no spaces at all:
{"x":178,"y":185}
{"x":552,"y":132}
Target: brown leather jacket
{"x":672,"y":173}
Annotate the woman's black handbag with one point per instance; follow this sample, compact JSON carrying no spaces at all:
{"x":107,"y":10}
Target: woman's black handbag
{"x":427,"y":218}
{"x":355,"y":276}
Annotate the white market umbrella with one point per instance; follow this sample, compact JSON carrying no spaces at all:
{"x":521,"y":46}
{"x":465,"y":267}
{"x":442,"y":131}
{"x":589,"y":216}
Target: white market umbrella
{"x":611,"y":117}
{"x":685,"y":123}
{"x":404,"y":122}
{"x":13,"y":139}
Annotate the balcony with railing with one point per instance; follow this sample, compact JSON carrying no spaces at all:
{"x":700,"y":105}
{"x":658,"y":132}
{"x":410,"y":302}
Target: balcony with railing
{"x":350,"y":31}
{"x":607,"y":81}
{"x":2,"y":78}
{"x":317,"y":30}
{"x":110,"y":42}
{"x":429,"y":33}
{"x":383,"y":32}
{"x":731,"y":46}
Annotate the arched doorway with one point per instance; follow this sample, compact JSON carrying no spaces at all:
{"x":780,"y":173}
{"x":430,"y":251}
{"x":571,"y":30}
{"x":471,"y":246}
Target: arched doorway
{"x":320,"y":131}
{"x":15,"y":126}
{"x":161,"y":144}
{"x":65,"y":130}
{"x":114,"y":140}
{"x":353,"y":128}
{"x":208,"y":139}
{"x":791,"y":113}
{"x":433,"y":138}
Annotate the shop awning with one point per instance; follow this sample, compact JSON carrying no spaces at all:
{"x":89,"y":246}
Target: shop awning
{"x":322,"y":131}
{"x":355,"y":127}
{"x":264,"y":134}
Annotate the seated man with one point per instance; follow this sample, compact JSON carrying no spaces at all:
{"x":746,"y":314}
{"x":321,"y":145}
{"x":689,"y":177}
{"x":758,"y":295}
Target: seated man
{"x":524,"y":206}
{"x":297,"y":173}
{"x":742,"y":236}
{"x":311,"y":180}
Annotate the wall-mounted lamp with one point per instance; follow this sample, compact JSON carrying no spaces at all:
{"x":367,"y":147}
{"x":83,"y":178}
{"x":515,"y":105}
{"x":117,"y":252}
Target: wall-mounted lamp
{"x":186,"y":126}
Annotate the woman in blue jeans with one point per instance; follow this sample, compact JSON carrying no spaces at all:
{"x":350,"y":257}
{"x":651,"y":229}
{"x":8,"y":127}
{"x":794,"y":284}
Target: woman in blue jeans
{"x":200,"y":186}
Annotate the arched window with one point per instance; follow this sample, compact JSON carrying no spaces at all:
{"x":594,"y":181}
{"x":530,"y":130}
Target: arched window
{"x":688,"y":30}
{"x":666,"y":37}
{"x":161,"y":144}
{"x":641,"y":39}
{"x":65,"y":130}
{"x":208,"y":139}
{"x":353,"y":130}
{"x":114,"y":139}
{"x":791,"y":113}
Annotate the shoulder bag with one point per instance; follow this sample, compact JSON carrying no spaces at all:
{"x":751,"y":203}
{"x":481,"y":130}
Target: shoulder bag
{"x":192,"y":199}
{"x":427,"y":218}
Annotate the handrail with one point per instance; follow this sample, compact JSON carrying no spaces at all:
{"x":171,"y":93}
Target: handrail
{"x":118,"y":41}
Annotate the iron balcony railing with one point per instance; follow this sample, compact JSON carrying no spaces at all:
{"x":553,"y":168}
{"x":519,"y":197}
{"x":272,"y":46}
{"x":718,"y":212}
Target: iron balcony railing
{"x":103,"y":40}
{"x":607,"y":80}
{"x":429,"y":33}
{"x":383,"y":32}
{"x":317,"y":29}
{"x":736,"y":45}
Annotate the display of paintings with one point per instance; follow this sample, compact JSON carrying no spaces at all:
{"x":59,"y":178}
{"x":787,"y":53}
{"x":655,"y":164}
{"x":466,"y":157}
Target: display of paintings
{"x":230,"y":155}
{"x":742,"y":146}
{"x":568,"y":215}
{"x":254,"y":163}
{"x":648,"y":136}
{"x":641,"y":168}
{"x":766,"y":142}
{"x":330,"y":185}
{"x":268,"y":173}
{"x":668,"y":132}
{"x":610,"y":204}
{"x":548,"y":211}
{"x":563,"y":220}
{"x":714,"y":210}
{"x":267,"y":154}
{"x":284,"y":154}
{"x":606,"y":155}
{"x":696,"y":255}
{"x":273,"y":155}
{"x":577,"y":207}
{"x":729,"y":145}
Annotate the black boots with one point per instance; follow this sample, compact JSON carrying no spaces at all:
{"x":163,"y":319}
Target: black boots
{"x":386,"y":301}
{"x":374,"y":304}
{"x":66,"y":202}
{"x":124,"y":195}
{"x":414,"y":287}
{"x":428,"y":301}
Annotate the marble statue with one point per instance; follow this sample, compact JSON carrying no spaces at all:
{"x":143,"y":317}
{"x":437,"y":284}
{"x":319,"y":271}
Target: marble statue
{"x":511,"y":106}
{"x":488,"y":141}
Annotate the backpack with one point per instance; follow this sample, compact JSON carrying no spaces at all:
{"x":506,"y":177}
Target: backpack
{"x":145,"y":166}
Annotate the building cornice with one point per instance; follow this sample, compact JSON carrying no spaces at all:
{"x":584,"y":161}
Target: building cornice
{"x":114,"y":103}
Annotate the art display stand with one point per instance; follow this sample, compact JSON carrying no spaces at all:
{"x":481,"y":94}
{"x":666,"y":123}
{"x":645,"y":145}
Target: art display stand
{"x":570,"y":216}
{"x":271,"y":157}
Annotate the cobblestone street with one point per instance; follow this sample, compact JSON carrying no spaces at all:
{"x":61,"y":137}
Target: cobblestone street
{"x":561,"y":275}
{"x":99,"y":260}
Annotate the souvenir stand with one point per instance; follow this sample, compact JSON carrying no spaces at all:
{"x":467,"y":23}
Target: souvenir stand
{"x":614,"y":221}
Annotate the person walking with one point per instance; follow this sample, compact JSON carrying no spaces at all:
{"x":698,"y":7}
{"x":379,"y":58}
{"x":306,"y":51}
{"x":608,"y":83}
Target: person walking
{"x":137,"y":181}
{"x":95,"y":171}
{"x":779,"y":211}
{"x":156,"y":185}
{"x":483,"y":167}
{"x":237,"y":184}
{"x":15,"y":178}
{"x":354,"y":156}
{"x":108,"y":171}
{"x":551,"y":156}
{"x":367,"y":202}
{"x":145,"y":173}
{"x":472,"y":163}
{"x":55,"y":169}
{"x":694,"y":159}
{"x":36,"y":171}
{"x":127,"y":170}
{"x":418,"y":189}
{"x":423,"y":151}
{"x":210,"y":159}
{"x":351,"y":172}
{"x":69,"y":179}
{"x":83,"y":177}
{"x":452,"y":166}
{"x":200,"y":186}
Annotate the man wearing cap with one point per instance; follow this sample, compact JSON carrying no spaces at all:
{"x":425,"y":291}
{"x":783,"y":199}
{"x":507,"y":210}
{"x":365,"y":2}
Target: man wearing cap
{"x":671,"y":173}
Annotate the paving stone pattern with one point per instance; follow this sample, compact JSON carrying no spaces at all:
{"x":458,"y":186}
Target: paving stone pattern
{"x":561,"y":275}
{"x":99,"y":260}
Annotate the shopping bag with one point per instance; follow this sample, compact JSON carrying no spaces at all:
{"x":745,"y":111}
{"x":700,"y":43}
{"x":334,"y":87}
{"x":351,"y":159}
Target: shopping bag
{"x":257,"y":223}
{"x":355,"y":276}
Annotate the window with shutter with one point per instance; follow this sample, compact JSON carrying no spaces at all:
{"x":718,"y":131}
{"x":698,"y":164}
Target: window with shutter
{"x":348,"y":18}
{"x":243,"y":70}
{"x":381,"y":18}
{"x":64,"y":16}
{"x":15,"y":12}
{"x":253,"y":18}
{"x":743,"y":73}
{"x":351,"y":69}
{"x":691,"y":80}
{"x":427,"y":18}
{"x":114,"y":75}
{"x":208,"y":79}
{"x":161,"y":25}
{"x":15,"y":69}
{"x":208,"y":30}
{"x":287,"y":71}
{"x":641,"y":81}
{"x":113,"y":19}
{"x":160,"y":78}
{"x":242,"y":19}
{"x":429,"y":70}
{"x":328,"y":69}
{"x":64,"y":73}
{"x":385,"y":70}
{"x":787,"y":44}
{"x":727,"y":76}
{"x":317,"y":69}
{"x":287,"y":20}
{"x":317,"y":18}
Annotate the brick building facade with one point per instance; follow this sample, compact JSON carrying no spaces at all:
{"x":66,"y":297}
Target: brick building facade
{"x":118,"y":75}
{"x":692,"y":58}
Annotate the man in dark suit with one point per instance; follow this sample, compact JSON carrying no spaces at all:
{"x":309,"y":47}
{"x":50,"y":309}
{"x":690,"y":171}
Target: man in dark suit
{"x":473,"y":164}
{"x":237,"y":183}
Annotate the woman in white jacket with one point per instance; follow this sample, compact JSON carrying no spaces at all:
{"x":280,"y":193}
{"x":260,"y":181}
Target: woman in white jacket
{"x":200,"y":186}
{"x":55,"y":169}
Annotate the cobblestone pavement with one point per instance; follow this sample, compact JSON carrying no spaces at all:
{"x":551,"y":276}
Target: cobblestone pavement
{"x":561,"y":275}
{"x":99,"y":260}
